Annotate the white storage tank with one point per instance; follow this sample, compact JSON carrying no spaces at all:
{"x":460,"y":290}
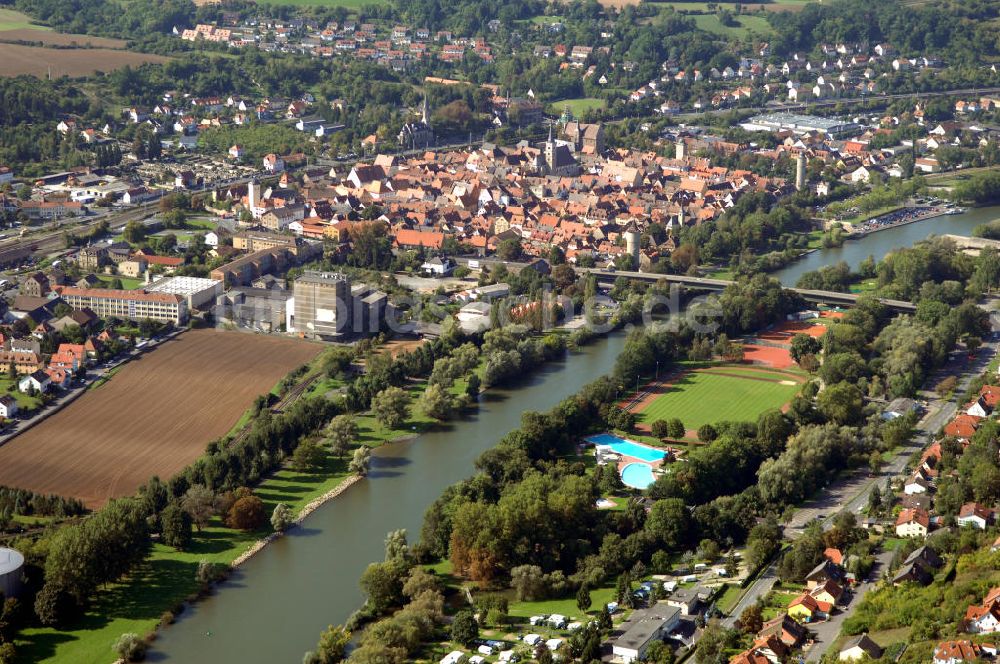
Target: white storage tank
{"x":11,"y":564}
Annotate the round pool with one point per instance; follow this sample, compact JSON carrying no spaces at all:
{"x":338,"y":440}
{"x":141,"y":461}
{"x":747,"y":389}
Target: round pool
{"x":638,"y":475}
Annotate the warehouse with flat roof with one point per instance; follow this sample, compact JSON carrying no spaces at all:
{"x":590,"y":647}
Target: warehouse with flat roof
{"x":197,"y":291}
{"x":801,"y":124}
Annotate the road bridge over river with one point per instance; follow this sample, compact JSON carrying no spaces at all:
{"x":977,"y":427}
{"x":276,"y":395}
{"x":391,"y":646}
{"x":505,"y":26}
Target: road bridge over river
{"x":832,"y":298}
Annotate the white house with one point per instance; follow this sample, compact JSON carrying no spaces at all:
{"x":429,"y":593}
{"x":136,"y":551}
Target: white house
{"x":858,"y":648}
{"x":438,"y":266}
{"x":273,"y":163}
{"x":983,"y":619}
{"x":8,"y":407}
{"x":861,"y":175}
{"x":975,"y":515}
{"x":37,"y":381}
{"x":212,"y":239}
{"x":917,"y":484}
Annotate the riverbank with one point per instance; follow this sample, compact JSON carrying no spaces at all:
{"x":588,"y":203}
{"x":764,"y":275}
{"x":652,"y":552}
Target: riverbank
{"x":309,"y":578}
{"x":874,"y":224}
{"x":164,"y":586}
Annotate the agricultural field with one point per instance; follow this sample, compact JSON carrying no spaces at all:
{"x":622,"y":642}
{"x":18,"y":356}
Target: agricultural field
{"x":16,"y":59}
{"x":49,"y":38}
{"x":777,"y":6}
{"x":14,"y":20}
{"x":349,"y":4}
{"x":154,"y":417}
{"x":718,"y":393}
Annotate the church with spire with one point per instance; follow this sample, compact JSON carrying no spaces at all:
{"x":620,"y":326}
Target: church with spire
{"x":556,"y":158}
{"x":416,"y":135}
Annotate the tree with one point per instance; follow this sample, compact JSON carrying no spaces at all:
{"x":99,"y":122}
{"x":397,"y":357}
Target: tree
{"x":751,"y":620}
{"x":342,"y":431}
{"x":199,"y":502}
{"x":802,"y":345}
{"x":436,"y":402}
{"x":389,"y":407}
{"x":677,"y":430}
{"x":875,"y":500}
{"x":707,"y":433}
{"x":281,"y":517}
{"x":509,"y":249}
{"x":528,"y":582}
{"x":669,"y":523}
{"x":129,"y":647}
{"x":362,"y":459}
{"x":308,"y":456}
{"x":583,"y":601}
{"x":175,"y":525}
{"x":464,"y":628}
{"x":841,"y":403}
{"x":247,"y":513}
{"x":332,"y":645}
{"x":946,"y":386}
{"x":382,"y":585}
{"x":472,"y":386}
{"x":660,"y":428}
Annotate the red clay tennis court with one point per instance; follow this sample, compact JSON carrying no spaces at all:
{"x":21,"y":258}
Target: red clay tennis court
{"x":779,"y":358}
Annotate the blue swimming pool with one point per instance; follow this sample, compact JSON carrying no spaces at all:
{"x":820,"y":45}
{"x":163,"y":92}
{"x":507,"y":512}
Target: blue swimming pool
{"x":638,"y":475}
{"x":628,"y":448}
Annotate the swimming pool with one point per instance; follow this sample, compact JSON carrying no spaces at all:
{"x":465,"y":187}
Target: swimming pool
{"x":628,"y":448}
{"x":638,"y":475}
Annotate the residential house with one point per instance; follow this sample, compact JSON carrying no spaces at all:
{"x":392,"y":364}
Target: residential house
{"x":806,"y":608}
{"x":982,"y":619}
{"x":957,"y":652}
{"x":785,"y":628}
{"x":975,"y":515}
{"x":913,"y":523}
{"x":8,"y":406}
{"x":858,"y":648}
{"x":36,"y":381}
{"x":823,"y":572}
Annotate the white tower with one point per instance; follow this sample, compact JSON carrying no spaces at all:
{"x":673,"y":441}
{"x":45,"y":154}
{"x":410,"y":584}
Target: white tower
{"x":253,"y":197}
{"x":632,"y":244}
{"x":680,"y":149}
{"x":800,"y":171}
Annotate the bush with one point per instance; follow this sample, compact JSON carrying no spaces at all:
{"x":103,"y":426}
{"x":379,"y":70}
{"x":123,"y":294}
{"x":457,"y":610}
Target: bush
{"x":707,"y":433}
{"x":130,"y":647}
{"x":247,"y":513}
{"x":660,"y":428}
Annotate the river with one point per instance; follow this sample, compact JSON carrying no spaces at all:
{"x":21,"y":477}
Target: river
{"x":275,"y":606}
{"x":881,"y":243}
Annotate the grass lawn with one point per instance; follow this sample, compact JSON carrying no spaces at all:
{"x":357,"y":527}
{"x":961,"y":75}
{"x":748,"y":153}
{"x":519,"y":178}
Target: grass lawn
{"x":729,"y":598}
{"x":700,"y":397}
{"x":127,"y":282}
{"x":8,"y":386}
{"x":566,"y":606}
{"x":167,"y":578}
{"x":578,"y":106}
{"x":15,"y":20}
{"x":747,"y":24}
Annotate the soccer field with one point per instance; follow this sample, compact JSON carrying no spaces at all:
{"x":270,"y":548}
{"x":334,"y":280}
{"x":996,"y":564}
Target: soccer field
{"x":703,"y":397}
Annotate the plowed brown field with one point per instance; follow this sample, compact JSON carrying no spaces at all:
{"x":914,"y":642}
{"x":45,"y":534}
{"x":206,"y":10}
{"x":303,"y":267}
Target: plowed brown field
{"x":154,"y":417}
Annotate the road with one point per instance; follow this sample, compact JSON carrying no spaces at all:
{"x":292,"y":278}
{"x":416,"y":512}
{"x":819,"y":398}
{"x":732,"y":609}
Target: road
{"x":851,"y":491}
{"x":827,"y":631}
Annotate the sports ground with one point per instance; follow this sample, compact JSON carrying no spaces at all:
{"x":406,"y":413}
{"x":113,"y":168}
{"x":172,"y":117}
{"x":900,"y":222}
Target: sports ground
{"x":712,"y":394}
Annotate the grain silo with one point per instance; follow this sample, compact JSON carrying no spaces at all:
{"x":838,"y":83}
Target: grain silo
{"x":11,"y":568}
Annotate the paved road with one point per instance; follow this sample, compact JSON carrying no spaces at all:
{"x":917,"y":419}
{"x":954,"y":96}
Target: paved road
{"x":761,"y":587}
{"x":827,"y":632}
{"x":851,"y":492}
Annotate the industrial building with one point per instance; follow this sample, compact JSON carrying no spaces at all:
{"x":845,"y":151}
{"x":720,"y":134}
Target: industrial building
{"x":11,"y":569}
{"x":325,"y":304}
{"x":801,"y":124}
{"x":642,"y":628}
{"x":197,"y":291}
{"x":262,"y":309}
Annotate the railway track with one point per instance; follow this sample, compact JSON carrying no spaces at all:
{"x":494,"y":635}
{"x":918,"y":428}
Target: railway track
{"x":290,"y":397}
